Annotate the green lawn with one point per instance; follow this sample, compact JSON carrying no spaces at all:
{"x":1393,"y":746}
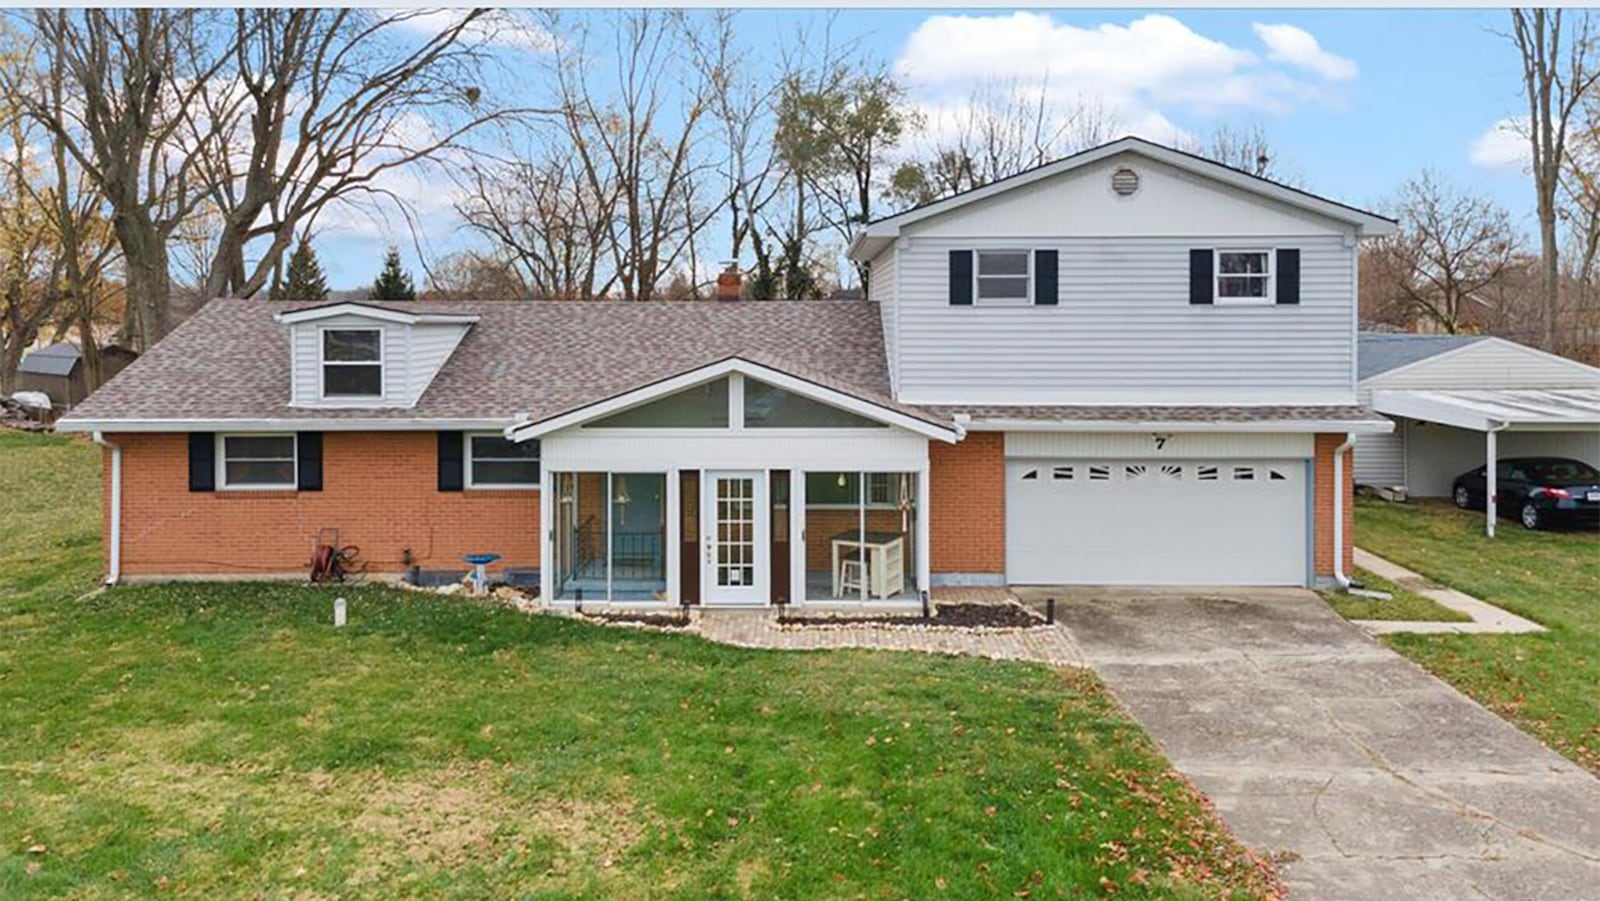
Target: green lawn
{"x":1405,"y":605}
{"x":221,"y":741}
{"x":1547,"y":683}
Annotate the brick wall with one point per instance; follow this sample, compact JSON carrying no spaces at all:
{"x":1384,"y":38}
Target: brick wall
{"x":1323,"y":500}
{"x":968,"y":508}
{"x":380,"y":489}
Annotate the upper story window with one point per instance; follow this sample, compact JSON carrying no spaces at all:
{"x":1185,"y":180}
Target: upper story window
{"x":1244,"y":276}
{"x":1003,"y":276}
{"x":495,"y":462}
{"x":352,"y":362}
{"x":257,"y":461}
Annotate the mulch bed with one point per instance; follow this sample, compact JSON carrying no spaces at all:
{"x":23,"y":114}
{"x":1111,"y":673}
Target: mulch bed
{"x":959,"y":616}
{"x":658,"y":620}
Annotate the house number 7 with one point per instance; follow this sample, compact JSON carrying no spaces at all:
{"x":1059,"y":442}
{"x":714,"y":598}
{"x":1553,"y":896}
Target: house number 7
{"x":1161,"y":441}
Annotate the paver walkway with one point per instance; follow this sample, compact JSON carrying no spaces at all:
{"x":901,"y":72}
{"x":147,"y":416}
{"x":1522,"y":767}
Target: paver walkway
{"x":1363,"y":775}
{"x":1487,"y":619}
{"x":760,"y":629}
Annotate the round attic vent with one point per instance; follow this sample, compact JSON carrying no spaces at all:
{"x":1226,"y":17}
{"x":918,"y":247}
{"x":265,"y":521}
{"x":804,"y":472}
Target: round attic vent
{"x":1124,"y":182}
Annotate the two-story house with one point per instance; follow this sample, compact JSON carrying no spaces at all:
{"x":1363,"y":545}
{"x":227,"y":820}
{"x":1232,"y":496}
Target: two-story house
{"x":1130,"y":366}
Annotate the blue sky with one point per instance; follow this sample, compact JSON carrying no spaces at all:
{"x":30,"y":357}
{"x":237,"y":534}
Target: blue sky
{"x":1378,"y":96}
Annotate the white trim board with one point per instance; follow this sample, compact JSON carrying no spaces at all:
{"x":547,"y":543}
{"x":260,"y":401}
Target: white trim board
{"x":729,"y":367}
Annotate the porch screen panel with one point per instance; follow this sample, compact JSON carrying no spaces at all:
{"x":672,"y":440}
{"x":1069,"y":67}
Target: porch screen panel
{"x":564,"y":538}
{"x":833,"y":555}
{"x":701,"y":407}
{"x":584,"y":516}
{"x":638,"y":536}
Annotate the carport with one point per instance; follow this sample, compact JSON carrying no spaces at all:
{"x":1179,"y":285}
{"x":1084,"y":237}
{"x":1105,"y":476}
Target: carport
{"x":1575,"y":410}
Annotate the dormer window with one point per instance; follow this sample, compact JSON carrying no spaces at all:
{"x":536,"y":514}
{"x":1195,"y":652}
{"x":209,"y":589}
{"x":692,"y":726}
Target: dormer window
{"x":352,"y":362}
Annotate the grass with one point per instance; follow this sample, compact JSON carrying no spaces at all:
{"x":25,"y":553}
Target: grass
{"x":1547,"y":683}
{"x":1404,"y":605}
{"x":224,"y":740}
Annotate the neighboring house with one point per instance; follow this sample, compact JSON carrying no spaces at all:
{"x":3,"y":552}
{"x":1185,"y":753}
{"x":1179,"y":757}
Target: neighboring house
{"x":1129,"y":366}
{"x":1457,"y":398}
{"x":57,"y":370}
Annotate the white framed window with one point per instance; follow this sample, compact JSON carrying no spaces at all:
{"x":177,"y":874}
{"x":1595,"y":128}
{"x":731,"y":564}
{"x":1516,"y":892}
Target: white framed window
{"x":1243,"y":276}
{"x":1002,"y":277}
{"x":495,"y":462}
{"x":352,"y":362}
{"x":258,"y":462}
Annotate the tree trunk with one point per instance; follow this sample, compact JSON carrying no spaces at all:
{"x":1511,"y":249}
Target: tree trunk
{"x":149,"y":281}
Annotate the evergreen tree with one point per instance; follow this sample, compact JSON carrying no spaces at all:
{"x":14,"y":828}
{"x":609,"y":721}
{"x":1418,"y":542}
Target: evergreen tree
{"x":305,"y":281}
{"x":393,"y":283}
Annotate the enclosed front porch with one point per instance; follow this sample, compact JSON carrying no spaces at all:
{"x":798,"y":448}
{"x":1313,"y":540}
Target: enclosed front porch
{"x":742,"y":488}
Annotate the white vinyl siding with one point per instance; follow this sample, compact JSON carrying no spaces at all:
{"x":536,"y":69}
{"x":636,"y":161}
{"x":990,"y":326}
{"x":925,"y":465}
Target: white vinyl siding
{"x":412,"y":356}
{"x":1124,"y":331}
{"x":881,"y":288}
{"x":1380,"y":460}
{"x":1487,"y":364}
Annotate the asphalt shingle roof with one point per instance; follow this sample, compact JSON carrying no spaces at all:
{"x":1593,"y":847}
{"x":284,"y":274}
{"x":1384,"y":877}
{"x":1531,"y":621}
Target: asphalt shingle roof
{"x":1379,"y":352}
{"x":1141,"y":414}
{"x":230,"y":360}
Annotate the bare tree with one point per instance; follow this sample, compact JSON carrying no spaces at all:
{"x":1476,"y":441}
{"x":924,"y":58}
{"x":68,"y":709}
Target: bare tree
{"x":1245,"y":148}
{"x":553,"y":225}
{"x":320,"y":104}
{"x":639,"y":138}
{"x":1003,"y":128}
{"x":1558,"y":73}
{"x":135,"y":78}
{"x":1453,"y":247}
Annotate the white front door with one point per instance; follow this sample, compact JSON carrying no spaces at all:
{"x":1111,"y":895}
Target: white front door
{"x":733,"y":533}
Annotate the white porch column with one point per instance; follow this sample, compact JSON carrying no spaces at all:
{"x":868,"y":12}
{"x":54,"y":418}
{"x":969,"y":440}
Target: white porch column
{"x":547,"y":531}
{"x":924,"y":518}
{"x":674,"y":537}
{"x":1490,"y":502}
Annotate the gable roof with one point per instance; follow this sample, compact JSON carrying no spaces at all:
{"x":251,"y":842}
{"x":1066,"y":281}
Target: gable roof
{"x":872,"y":237}
{"x":57,"y":359}
{"x":372,"y":311}
{"x":523,"y":360}
{"x":1379,"y":352}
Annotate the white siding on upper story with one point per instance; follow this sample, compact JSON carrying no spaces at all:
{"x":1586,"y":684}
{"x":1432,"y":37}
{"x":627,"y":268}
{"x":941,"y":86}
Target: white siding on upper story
{"x":1170,"y":202}
{"x":1124,"y":331}
{"x":432,"y":343}
{"x":412,"y":356}
{"x":881,"y":287}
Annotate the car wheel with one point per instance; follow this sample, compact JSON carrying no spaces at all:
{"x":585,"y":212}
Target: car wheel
{"x":1530,"y":516}
{"x":1463,"y":498}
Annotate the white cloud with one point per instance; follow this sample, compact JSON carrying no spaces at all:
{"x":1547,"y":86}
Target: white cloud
{"x":1503,"y":146}
{"x":498,"y":27}
{"x":1295,"y":46}
{"x":1139,"y":74}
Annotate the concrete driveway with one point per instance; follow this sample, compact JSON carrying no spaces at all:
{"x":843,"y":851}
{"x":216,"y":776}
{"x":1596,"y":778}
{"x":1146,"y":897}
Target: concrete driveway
{"x":1365,"y":777}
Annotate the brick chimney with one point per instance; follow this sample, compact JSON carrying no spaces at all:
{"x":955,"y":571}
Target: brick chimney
{"x":729,"y":281}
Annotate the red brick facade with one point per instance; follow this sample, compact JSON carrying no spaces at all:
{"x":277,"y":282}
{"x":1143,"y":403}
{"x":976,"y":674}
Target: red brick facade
{"x":967,"y":529}
{"x":380,"y":489}
{"x":1323,"y":500}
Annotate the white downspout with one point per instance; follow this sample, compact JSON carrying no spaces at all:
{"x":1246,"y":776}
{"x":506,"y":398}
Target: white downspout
{"x":1338,"y":510}
{"x":114,"y":571}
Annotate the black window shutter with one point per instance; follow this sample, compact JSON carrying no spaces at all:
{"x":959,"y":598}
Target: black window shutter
{"x":1200,"y":282}
{"x":202,"y":461}
{"x":1288,"y":275}
{"x":961,"y":278}
{"x":451,"y":474}
{"x":309,"y":448}
{"x":1045,"y":281}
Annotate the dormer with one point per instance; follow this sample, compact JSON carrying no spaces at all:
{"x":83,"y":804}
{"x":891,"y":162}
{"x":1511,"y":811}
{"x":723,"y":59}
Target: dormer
{"x":355,"y":355}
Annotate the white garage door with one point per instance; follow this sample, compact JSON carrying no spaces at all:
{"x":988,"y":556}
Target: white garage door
{"x":1156,"y":522}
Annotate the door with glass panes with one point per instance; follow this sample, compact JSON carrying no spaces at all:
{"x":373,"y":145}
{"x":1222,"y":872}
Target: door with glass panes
{"x":734,"y":538}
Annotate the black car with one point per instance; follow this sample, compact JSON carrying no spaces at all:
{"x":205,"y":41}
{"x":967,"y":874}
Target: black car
{"x":1539,"y":491}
